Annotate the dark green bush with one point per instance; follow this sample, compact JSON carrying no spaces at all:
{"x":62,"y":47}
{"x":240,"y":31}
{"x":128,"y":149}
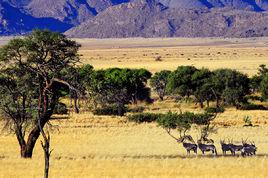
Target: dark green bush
{"x":144,"y":117}
{"x":110,"y":110}
{"x":61,"y":108}
{"x":214,"y":109}
{"x":251,"y":106}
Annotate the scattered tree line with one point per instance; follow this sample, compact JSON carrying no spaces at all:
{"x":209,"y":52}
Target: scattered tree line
{"x":224,"y":86}
{"x":109,"y":91}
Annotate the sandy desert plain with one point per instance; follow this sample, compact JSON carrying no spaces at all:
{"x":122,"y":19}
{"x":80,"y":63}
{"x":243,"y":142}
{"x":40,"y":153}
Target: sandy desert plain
{"x":100,"y":146}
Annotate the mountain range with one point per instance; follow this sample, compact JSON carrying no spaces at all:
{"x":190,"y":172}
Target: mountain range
{"x":136,"y":18}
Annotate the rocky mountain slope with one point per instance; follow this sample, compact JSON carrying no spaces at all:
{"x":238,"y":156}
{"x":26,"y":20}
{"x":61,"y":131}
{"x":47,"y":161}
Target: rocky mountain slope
{"x":136,"y":18}
{"x":15,"y":22}
{"x":143,"y":19}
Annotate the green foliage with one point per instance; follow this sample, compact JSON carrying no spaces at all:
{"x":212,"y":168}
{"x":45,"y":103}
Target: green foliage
{"x":264,"y":86}
{"x":61,"y":108}
{"x":144,"y":117}
{"x":230,"y":85}
{"x":159,"y":83}
{"x":111,"y":110}
{"x":255,"y":81}
{"x":180,"y":81}
{"x":214,"y":109}
{"x":32,"y":81}
{"x":247,"y":121}
{"x":203,"y":118}
{"x":203,"y":85}
{"x":176,"y":121}
{"x":251,"y":106}
{"x":183,"y":121}
{"x":119,"y":86}
{"x":34,"y":62}
{"x":223,"y":85}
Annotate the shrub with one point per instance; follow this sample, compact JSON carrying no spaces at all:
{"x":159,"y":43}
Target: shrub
{"x":251,"y":106}
{"x":247,"y":121}
{"x":144,"y":117}
{"x":256,"y":98}
{"x":137,"y":109}
{"x":60,"y":108}
{"x":214,"y":110}
{"x":158,"y":58}
{"x":110,"y":111}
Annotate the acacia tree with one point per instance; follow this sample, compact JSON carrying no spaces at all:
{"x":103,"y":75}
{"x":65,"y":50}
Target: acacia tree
{"x":182,"y":123}
{"x":180,"y":81}
{"x":230,"y":86}
{"x":202,"y":83}
{"x":32,"y":82}
{"x":159,"y":83}
{"x":79,"y":77}
{"x":118,"y":87}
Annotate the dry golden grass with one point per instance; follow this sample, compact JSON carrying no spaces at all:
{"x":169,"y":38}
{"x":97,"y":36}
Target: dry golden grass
{"x":243,"y":55}
{"x":90,"y":146}
{"x":94,"y":146}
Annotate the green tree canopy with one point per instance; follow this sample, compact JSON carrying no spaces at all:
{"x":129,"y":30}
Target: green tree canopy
{"x":159,"y":83}
{"x":230,"y":86}
{"x":264,"y":86}
{"x":203,"y":87}
{"x":119,"y":86}
{"x":182,"y":123}
{"x":180,"y":81}
{"x":32,"y":82}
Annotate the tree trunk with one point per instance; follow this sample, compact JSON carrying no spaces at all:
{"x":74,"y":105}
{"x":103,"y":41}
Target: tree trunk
{"x":47,"y":155}
{"x":217,"y":103}
{"x":76,"y":107}
{"x":32,"y":138}
{"x":27,"y":151}
{"x":46,"y":149}
{"x":201,"y":104}
{"x":20,"y":138}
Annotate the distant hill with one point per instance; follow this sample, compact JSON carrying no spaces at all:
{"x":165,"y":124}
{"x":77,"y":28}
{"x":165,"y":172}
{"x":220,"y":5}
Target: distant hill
{"x":137,"y":18}
{"x":254,"y":5}
{"x":143,"y":19}
{"x":14,"y":22}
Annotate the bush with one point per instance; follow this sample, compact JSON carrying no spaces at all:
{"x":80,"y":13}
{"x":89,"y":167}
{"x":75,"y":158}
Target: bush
{"x":144,"y":117}
{"x":110,"y":111}
{"x":256,"y":98}
{"x":61,"y":108}
{"x":138,"y":109}
{"x":251,"y":106}
{"x":158,"y":58}
{"x":214,"y":110}
{"x":247,"y":121}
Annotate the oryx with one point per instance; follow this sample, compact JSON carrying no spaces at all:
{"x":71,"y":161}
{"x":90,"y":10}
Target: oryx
{"x":227,"y":147}
{"x":206,"y":148}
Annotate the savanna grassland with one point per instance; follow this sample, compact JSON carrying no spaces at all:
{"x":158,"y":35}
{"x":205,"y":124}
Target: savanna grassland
{"x":103,"y":146}
{"x":244,"y":55}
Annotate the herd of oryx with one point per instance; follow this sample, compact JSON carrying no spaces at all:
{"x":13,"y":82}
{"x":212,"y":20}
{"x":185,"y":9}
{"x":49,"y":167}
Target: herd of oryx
{"x":245,"y":148}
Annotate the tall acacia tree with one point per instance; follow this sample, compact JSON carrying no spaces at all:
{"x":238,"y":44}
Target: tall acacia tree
{"x":31,"y":82}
